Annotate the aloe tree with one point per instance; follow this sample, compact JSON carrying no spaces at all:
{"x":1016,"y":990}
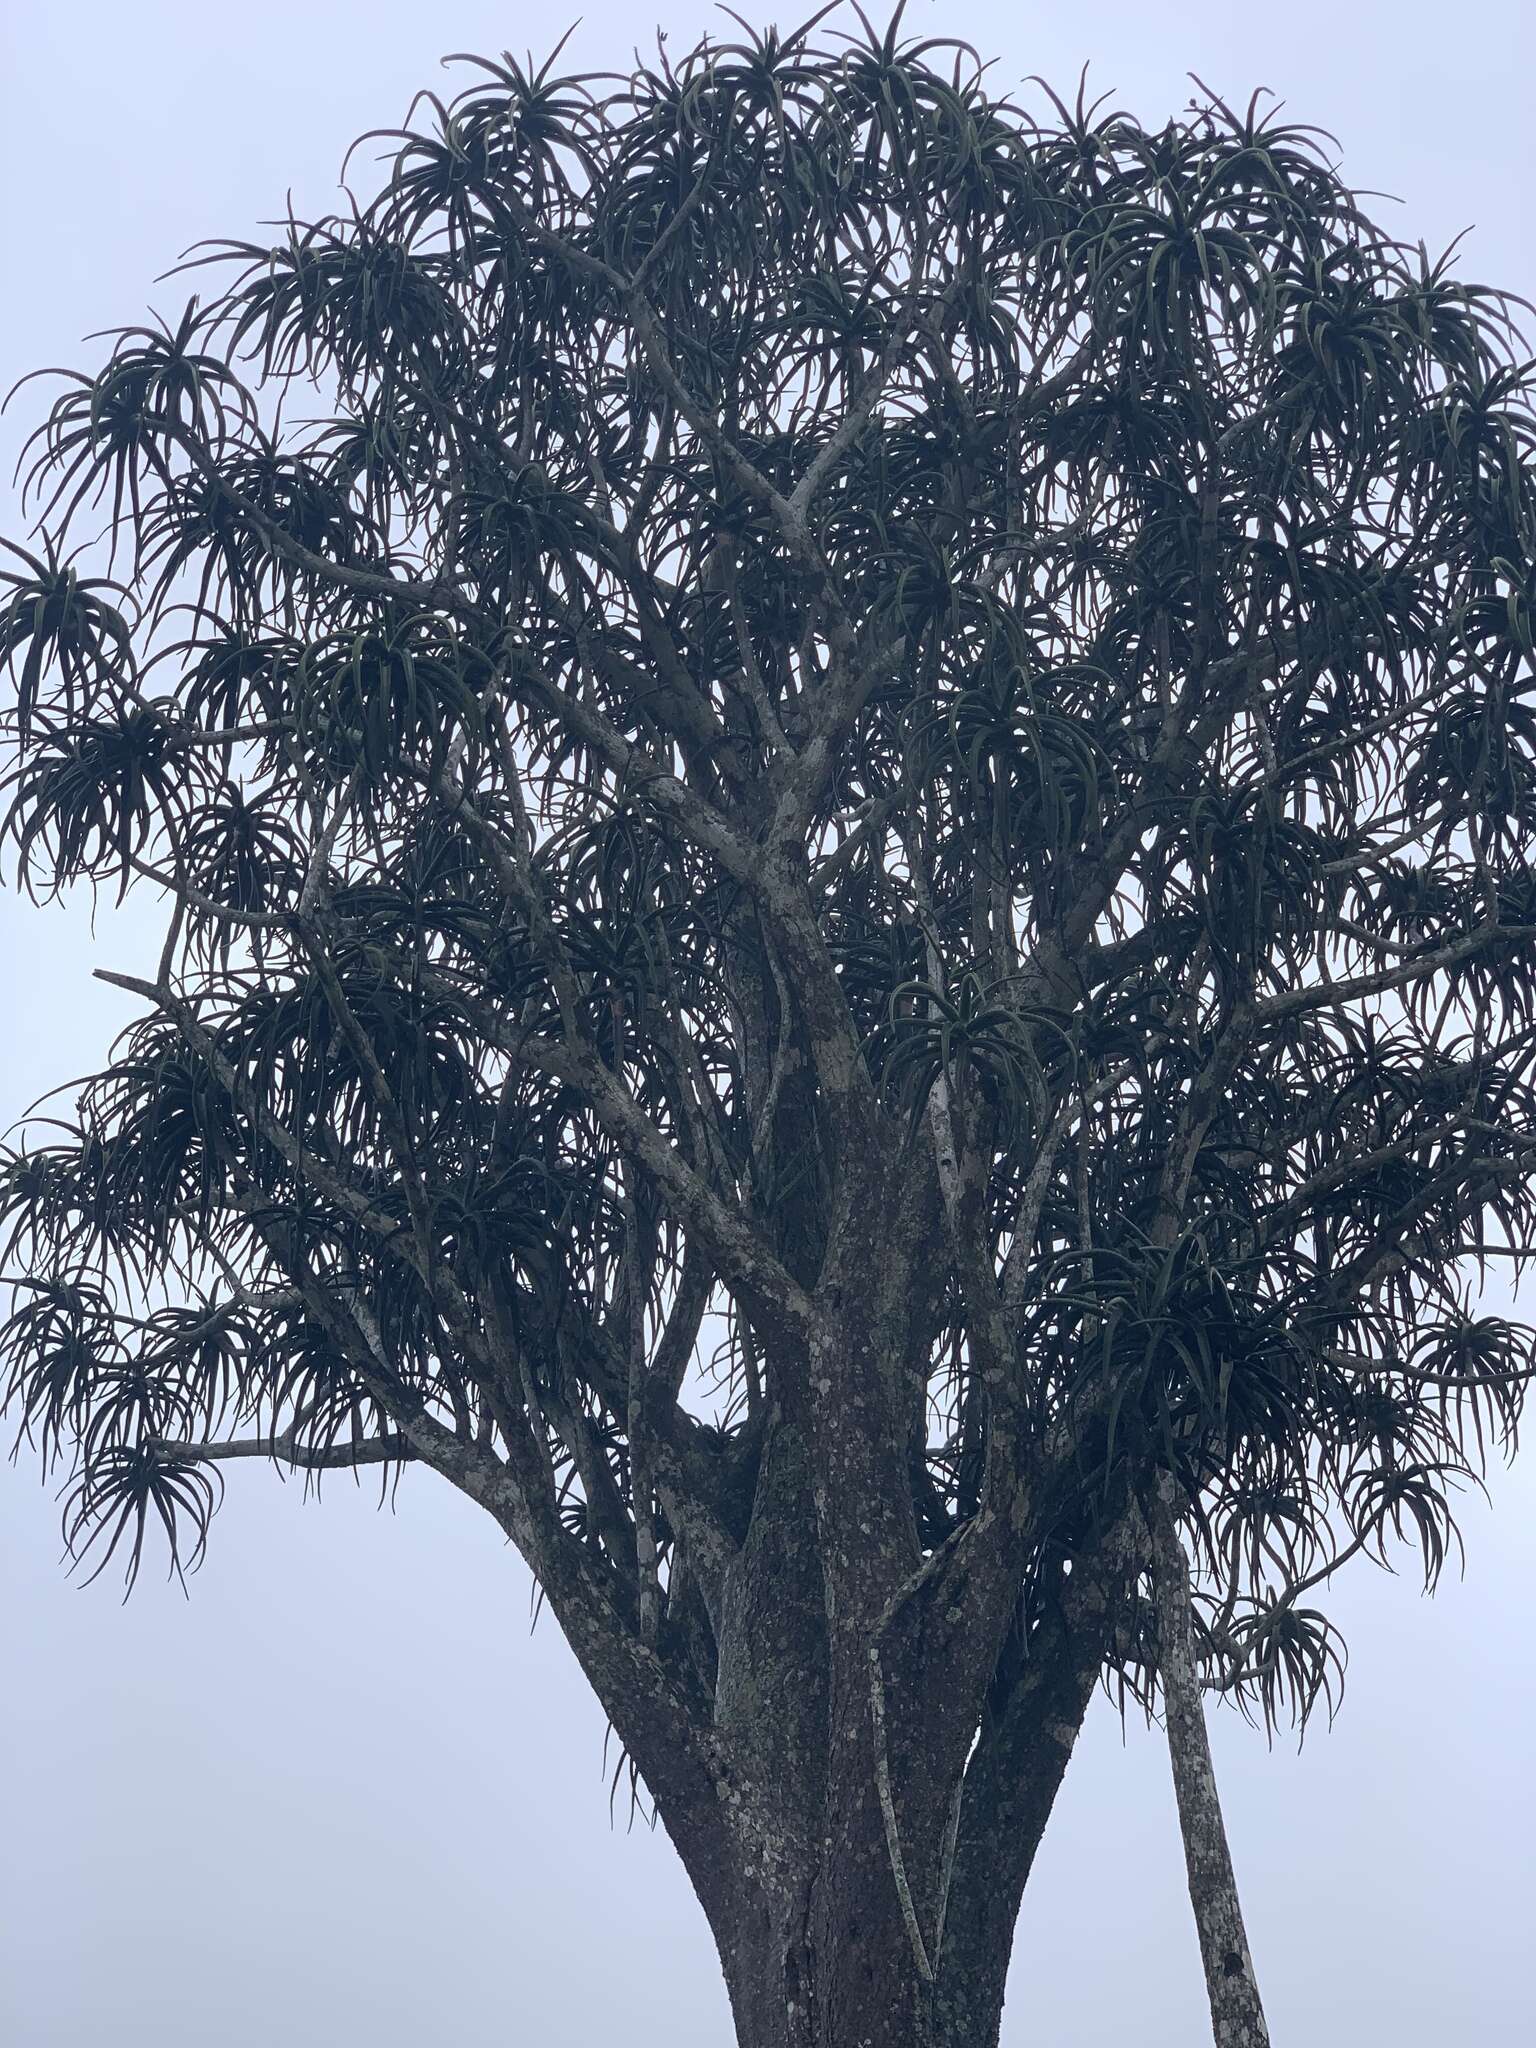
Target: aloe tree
{"x":845,"y":784}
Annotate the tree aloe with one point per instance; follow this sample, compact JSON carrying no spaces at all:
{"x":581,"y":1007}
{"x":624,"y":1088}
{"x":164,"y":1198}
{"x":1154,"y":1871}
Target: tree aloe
{"x":846,"y":789}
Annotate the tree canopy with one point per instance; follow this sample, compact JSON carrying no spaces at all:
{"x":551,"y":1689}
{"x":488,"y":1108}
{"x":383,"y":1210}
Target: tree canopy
{"x":825,"y":755}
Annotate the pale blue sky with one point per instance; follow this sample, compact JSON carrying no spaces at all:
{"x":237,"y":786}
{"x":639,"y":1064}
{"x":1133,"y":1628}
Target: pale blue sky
{"x":341,"y":1794}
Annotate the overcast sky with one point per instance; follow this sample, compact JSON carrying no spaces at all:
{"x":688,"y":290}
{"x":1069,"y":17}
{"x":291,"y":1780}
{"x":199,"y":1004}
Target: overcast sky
{"x":342,"y":1794}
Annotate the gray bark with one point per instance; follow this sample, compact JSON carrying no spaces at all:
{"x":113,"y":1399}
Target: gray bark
{"x":1237,"y":2015}
{"x":795,"y":1867}
{"x":815,"y":1929}
{"x":1026,"y":1740}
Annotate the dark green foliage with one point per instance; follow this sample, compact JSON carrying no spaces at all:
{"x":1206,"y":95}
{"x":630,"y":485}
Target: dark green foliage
{"x":1090,"y":567}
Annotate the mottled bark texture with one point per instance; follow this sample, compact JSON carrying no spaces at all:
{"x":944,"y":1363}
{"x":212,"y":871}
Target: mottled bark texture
{"x":876,"y":1728}
{"x":1237,"y":2015}
{"x":844,"y":1918}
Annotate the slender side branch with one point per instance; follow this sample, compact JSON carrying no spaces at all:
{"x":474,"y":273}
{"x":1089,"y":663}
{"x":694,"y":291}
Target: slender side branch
{"x":373,"y":1450}
{"x":1237,"y":2016}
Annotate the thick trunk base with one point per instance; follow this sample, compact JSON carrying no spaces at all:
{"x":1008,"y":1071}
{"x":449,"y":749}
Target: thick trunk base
{"x":864,"y":1996}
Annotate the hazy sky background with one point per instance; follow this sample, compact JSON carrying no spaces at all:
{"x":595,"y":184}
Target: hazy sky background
{"x":342,"y":1795}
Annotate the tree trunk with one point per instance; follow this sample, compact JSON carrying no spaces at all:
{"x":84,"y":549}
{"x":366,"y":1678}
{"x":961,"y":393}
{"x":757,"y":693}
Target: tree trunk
{"x":882,"y":1730}
{"x":813,"y":1939}
{"x":1237,"y":2016}
{"x":863,"y":1992}
{"x":859,"y":1905}
{"x":820,"y":1952}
